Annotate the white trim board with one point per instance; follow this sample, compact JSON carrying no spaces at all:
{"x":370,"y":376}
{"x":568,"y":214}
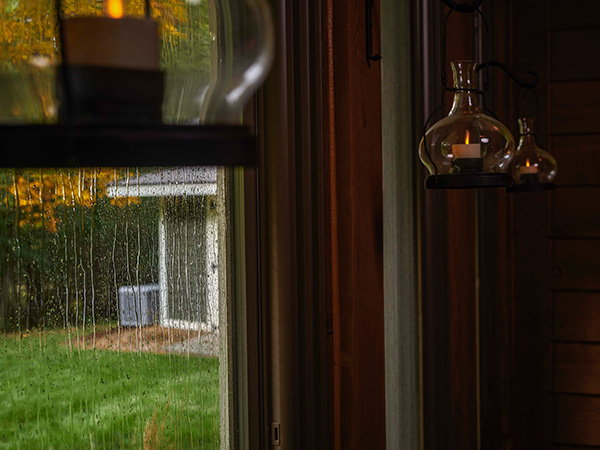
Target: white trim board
{"x":158,"y":190}
{"x":401,"y":300}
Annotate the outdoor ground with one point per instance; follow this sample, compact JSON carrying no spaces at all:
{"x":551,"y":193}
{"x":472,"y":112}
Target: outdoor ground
{"x":137,"y":388}
{"x":154,"y":339}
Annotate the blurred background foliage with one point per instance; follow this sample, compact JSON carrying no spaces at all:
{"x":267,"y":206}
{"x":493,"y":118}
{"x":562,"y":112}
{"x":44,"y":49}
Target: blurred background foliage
{"x":65,"y":247}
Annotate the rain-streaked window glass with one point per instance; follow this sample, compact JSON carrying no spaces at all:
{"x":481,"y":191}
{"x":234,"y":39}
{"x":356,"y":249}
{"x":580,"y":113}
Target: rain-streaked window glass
{"x":114,"y":282}
{"x":112,"y":297}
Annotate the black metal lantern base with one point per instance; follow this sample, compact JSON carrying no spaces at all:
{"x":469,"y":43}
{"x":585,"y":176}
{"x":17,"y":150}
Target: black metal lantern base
{"x":110,"y":96}
{"x":468,"y":181}
{"x":127,"y":146}
{"x":530,"y":187}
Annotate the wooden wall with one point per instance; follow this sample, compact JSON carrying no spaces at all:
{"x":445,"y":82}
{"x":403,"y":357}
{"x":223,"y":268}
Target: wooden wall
{"x":353,"y":168}
{"x":449,"y":299}
{"x":533,"y":273}
{"x":561,"y":300}
{"x":574,"y":132}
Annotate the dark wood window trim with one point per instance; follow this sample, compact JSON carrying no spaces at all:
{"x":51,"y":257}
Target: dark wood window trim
{"x":320,"y":214}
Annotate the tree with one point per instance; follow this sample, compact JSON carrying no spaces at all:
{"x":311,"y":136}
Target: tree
{"x":58,"y":241}
{"x":36,"y":194}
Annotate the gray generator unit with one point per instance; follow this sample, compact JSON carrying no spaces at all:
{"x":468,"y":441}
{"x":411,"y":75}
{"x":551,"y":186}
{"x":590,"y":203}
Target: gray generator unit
{"x":138,"y":305}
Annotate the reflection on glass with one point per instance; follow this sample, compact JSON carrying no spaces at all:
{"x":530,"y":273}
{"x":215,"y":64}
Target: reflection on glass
{"x":214,"y":53}
{"x":109,"y":307}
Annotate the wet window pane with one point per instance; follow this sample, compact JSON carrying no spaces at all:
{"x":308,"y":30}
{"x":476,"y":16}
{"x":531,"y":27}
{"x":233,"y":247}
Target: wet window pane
{"x":112,"y":282}
{"x":214,"y":55}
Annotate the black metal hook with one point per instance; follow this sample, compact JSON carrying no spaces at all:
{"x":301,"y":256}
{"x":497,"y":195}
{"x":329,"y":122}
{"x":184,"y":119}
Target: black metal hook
{"x":369,"y":29}
{"x":486,"y":79}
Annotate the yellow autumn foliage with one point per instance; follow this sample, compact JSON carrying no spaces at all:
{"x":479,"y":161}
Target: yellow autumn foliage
{"x":38,"y":194}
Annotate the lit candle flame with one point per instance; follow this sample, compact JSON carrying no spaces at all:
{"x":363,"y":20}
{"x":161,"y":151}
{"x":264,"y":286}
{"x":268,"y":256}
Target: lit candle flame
{"x":114,"y":8}
{"x":527,"y":163}
{"x":467,"y":138}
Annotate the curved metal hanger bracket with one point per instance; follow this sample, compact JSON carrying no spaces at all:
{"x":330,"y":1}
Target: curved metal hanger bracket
{"x":512,"y":75}
{"x":486,"y":78}
{"x":463,"y":7}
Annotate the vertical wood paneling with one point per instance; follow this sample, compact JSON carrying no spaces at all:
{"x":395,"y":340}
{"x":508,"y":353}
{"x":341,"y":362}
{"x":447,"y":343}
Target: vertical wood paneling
{"x":358,"y":206}
{"x":463,"y":317}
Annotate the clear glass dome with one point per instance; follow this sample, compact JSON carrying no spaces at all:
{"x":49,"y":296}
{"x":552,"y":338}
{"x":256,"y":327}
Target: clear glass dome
{"x":467,"y":145}
{"x":213,"y":55}
{"x":531,"y":165}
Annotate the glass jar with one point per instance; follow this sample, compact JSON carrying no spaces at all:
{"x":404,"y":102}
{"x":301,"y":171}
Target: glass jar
{"x":467,"y":148}
{"x":532,"y":168}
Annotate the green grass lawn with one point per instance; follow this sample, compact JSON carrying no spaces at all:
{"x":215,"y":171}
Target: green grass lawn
{"x":54,"y":398}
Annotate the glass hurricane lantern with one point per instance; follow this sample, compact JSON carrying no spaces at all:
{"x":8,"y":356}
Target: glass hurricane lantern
{"x":467,"y":148}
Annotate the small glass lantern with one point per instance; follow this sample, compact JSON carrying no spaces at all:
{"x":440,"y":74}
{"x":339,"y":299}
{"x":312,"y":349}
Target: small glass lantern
{"x":532,"y":168}
{"x":466,"y":149}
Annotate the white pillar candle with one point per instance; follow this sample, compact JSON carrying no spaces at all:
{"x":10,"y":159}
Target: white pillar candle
{"x":466,"y":150}
{"x":528,"y":169}
{"x":123,"y":43}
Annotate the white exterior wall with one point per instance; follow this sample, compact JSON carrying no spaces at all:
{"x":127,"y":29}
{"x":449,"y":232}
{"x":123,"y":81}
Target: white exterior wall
{"x":212,"y":259}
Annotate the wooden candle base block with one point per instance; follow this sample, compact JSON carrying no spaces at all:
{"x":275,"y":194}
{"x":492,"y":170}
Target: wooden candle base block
{"x":119,"y":43}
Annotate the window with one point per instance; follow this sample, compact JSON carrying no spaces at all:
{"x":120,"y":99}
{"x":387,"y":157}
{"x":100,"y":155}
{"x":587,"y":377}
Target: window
{"x":123,"y":325}
{"x":112,"y":286}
